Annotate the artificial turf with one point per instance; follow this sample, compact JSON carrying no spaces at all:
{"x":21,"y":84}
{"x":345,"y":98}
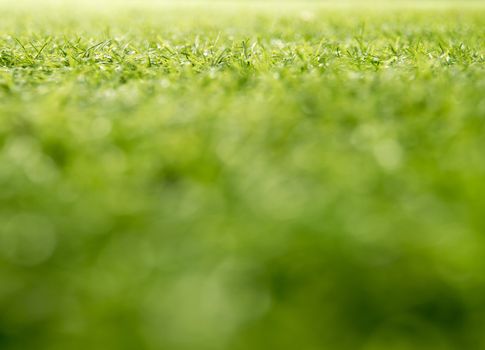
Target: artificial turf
{"x":242,"y":176}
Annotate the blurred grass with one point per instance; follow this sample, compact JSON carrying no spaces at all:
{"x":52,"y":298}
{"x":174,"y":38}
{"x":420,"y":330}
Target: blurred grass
{"x":242,"y":178}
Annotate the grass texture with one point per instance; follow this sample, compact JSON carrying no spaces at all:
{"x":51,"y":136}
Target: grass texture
{"x":237,"y":177}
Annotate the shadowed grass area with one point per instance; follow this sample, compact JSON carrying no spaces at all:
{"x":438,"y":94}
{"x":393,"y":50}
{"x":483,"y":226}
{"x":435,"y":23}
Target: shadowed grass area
{"x":232,"y":177}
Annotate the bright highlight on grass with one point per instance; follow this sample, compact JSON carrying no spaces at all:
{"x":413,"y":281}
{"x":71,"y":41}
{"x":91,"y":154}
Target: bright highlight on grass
{"x":242,"y":176}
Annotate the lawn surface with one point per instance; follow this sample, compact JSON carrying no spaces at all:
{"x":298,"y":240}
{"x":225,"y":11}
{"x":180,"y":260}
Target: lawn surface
{"x":240,"y":177}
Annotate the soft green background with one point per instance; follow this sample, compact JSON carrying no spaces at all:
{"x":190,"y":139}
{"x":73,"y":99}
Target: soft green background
{"x":239,"y":177}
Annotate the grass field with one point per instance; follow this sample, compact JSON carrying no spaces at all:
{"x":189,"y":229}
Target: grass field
{"x":215,"y":176}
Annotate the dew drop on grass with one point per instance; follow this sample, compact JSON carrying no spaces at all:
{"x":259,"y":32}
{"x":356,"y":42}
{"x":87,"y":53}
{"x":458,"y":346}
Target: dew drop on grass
{"x":388,"y":154}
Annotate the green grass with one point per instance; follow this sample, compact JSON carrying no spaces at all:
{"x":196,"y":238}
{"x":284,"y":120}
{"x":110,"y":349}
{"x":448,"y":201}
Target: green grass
{"x":239,"y":177}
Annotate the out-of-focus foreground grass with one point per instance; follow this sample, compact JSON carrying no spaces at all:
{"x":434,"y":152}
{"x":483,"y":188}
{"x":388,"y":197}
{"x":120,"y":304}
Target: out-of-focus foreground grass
{"x":242,"y":178}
